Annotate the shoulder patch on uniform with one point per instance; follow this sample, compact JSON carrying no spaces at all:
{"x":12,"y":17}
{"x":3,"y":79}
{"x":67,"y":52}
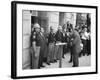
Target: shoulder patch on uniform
{"x":34,"y":33}
{"x":34,"y":36}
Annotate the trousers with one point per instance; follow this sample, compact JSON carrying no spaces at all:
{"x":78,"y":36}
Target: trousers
{"x":35,"y":58}
{"x":50,"y":56}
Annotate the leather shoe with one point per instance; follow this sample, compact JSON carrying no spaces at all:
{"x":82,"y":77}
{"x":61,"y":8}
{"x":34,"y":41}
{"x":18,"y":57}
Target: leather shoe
{"x":48,"y":63}
{"x":70,"y":61}
{"x":55,"y":60}
{"x":63,"y":57}
{"x":42,"y":66}
{"x":74,"y":66}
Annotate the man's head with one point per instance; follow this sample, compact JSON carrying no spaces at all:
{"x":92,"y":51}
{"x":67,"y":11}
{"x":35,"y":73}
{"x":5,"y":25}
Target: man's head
{"x":59,"y":28}
{"x":42,"y":30}
{"x":71,"y":30}
{"x":37,"y":27}
{"x":51,"y":28}
{"x":68,"y":22}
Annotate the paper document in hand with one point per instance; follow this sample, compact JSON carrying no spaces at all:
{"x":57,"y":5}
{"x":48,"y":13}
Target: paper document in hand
{"x":60,"y":43}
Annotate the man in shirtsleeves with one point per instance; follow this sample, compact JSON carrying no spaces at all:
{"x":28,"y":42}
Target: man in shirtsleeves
{"x":37,"y":45}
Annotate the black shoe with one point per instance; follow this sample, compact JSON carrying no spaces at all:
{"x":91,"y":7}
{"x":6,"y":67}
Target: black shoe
{"x":42,"y":66}
{"x":58,"y":59}
{"x":80,"y":55}
{"x":83,"y":54}
{"x":48,"y":63}
{"x":38,"y":67}
{"x":70,"y":61}
{"x":63,"y":57}
{"x":51,"y":61}
{"x":87,"y":54}
{"x":74,"y":66}
{"x":55,"y":60}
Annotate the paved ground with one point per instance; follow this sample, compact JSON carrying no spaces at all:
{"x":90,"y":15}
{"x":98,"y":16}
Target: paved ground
{"x":83,"y":61}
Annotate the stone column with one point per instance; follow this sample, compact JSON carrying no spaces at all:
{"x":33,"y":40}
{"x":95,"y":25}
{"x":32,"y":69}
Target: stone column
{"x":53,"y":20}
{"x":70,"y":17}
{"x":26,"y":39}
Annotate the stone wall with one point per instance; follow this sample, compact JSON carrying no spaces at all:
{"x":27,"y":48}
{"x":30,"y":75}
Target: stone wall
{"x":26,"y":39}
{"x":64,"y":17}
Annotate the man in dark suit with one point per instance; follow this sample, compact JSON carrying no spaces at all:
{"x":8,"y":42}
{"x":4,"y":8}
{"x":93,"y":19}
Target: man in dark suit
{"x":51,"y":41}
{"x":64,"y":39}
{"x":42,"y":49}
{"x":75,"y":47}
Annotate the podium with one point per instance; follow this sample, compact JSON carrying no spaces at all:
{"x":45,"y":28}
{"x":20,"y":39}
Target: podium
{"x":60,"y":46}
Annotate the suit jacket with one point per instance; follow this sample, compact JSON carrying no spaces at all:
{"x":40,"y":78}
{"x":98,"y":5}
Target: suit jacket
{"x":51,"y":38}
{"x":59,"y":36}
{"x":76,"y":48}
{"x":65,"y":37}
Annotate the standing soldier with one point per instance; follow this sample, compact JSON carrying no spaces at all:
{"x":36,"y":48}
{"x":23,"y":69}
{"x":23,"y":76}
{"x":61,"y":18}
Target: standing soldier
{"x":36,"y":41}
{"x":51,"y":41}
{"x":38,"y":47}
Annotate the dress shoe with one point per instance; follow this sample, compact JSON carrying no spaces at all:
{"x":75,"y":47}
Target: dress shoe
{"x":48,"y":63}
{"x":51,"y":61}
{"x":74,"y":66}
{"x":63,"y":57}
{"x":55,"y":60}
{"x":70,"y":61}
{"x":42,"y":66}
{"x":80,"y":55}
{"x":38,"y":67}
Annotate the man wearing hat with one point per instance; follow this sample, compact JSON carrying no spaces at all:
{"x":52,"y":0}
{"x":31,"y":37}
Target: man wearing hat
{"x":37,"y":46}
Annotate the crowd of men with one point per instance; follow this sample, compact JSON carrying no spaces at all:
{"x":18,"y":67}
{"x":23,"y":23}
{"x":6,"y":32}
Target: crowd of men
{"x":44,"y":49}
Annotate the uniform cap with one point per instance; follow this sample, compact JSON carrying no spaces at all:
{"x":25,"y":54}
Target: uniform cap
{"x":36,"y":25}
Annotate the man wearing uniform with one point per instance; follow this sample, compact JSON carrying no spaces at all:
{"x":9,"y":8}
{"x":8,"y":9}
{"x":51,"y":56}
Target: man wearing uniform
{"x":36,"y":41}
{"x":37,"y":45}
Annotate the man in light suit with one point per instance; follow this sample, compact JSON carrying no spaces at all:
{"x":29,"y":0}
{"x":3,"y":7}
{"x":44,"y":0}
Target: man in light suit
{"x":75,"y":47}
{"x":58,"y":39}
